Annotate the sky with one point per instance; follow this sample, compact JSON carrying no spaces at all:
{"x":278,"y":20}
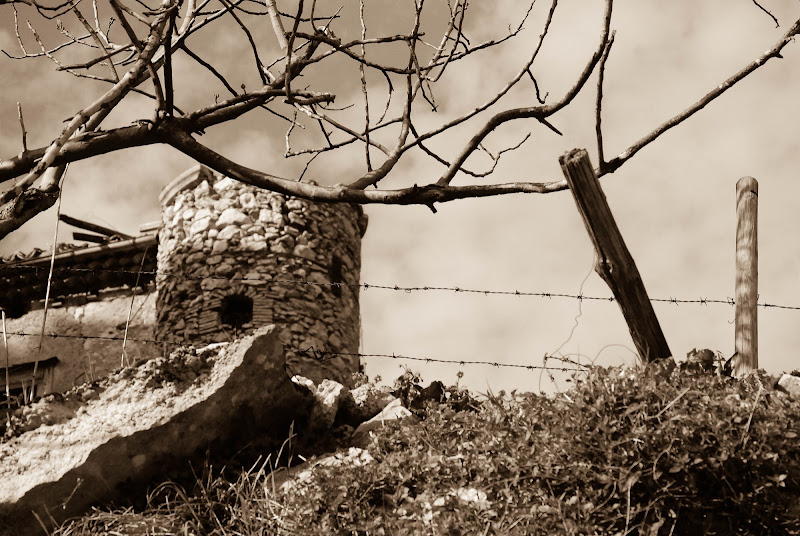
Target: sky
{"x":674,"y":202}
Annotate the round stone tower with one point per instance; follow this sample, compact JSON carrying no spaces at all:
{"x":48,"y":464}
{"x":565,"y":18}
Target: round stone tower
{"x":233,"y":257}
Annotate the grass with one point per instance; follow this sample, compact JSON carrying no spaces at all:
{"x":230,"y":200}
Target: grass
{"x":657,"y":451}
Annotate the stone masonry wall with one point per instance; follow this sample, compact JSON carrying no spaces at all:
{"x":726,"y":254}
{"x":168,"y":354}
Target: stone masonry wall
{"x":233,"y":257}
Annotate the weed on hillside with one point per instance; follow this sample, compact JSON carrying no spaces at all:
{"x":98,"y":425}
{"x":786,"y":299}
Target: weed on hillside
{"x":652,"y":452}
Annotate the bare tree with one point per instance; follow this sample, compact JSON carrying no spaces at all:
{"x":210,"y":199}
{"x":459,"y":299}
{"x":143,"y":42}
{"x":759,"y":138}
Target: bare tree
{"x":134,"y":46}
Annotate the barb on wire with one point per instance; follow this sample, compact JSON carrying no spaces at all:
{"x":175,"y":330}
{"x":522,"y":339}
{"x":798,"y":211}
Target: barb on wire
{"x":398,"y":288}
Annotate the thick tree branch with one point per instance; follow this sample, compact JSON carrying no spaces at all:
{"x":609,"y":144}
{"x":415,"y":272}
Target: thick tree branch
{"x":107,"y":101}
{"x":415,"y":195}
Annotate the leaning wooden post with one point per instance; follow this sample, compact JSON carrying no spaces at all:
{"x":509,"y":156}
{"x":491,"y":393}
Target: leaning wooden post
{"x":746,"y":276}
{"x":614,"y":262}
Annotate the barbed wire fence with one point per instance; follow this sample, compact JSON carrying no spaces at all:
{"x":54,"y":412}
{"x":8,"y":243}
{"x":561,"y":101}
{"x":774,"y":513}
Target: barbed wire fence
{"x":409,"y":289}
{"x":567,"y":363}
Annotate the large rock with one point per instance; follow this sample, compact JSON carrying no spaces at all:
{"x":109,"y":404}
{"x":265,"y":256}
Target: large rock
{"x":137,"y":424}
{"x":328,"y":396}
{"x":394,"y":411}
{"x":363,"y":403}
{"x":791,"y":384}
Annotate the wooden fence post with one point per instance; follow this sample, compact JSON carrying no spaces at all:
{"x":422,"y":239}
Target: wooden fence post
{"x":746,"y":276}
{"x":614,"y":262}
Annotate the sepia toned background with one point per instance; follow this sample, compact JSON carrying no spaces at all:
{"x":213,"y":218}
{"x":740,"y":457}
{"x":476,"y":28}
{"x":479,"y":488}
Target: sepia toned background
{"x":674,"y":201}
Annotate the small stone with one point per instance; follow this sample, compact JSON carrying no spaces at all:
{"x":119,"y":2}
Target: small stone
{"x":195,"y":257}
{"x":297,"y":220}
{"x":224,"y":184}
{"x":214,"y":259}
{"x":200,"y":225}
{"x":224,"y":269}
{"x":247,"y":200}
{"x":220,"y":246}
{"x":265,"y":215}
{"x":328,"y":396}
{"x":253,"y":279}
{"x":229,"y":232}
{"x":231,"y":216}
{"x":286,"y":242}
{"x":335,"y":341}
{"x":295,"y":203}
{"x":202,"y":213}
{"x":257,"y":243}
{"x":201,"y":189}
{"x":212,"y":233}
{"x":222,"y":204}
{"x":188,"y":214}
{"x":305,"y":252}
{"x":318,"y":278}
{"x":304,"y":382}
{"x":208,"y":284}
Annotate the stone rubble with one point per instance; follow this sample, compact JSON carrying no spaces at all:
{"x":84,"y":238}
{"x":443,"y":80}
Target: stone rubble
{"x":136,"y":426}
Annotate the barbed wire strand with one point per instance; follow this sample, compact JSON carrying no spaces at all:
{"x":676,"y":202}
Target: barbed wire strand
{"x":317,"y":354}
{"x":407,"y":289}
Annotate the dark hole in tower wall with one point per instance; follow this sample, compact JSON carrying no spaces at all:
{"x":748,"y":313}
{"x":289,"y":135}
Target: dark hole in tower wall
{"x":15,"y":305}
{"x":335,"y":273}
{"x":236,"y":310}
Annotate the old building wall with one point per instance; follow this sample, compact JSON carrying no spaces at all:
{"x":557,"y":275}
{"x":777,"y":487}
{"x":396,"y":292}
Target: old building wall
{"x":89,"y":344}
{"x":233,"y":257}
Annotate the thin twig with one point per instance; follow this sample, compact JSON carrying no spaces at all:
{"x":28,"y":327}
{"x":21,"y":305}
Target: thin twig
{"x":253,"y":47}
{"x":665,"y":408}
{"x":598,"y":107}
{"x":364,"y":84}
{"x":762,"y":8}
{"x":130,"y":310}
{"x":22,"y":126}
{"x":211,"y":69}
{"x":97,"y":39}
{"x":47,"y":292}
{"x":5,"y":345}
{"x":118,"y":8}
{"x":750,"y":418}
